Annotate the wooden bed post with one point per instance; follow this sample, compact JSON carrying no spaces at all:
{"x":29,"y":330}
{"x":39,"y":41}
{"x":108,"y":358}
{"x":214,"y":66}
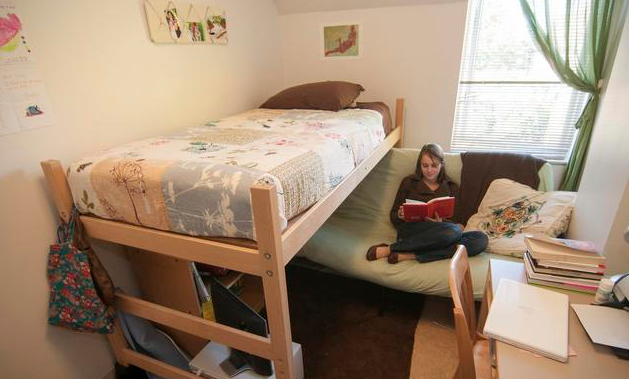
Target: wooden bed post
{"x":62,"y":196}
{"x":59,"y":188}
{"x":269,"y":237}
{"x":399,"y":120}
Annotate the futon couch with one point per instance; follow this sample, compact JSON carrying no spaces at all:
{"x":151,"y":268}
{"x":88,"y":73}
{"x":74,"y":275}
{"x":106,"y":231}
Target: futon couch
{"x":363,"y":220}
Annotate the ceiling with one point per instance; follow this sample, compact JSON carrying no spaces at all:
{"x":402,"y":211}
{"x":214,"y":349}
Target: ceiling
{"x":305,"y":6}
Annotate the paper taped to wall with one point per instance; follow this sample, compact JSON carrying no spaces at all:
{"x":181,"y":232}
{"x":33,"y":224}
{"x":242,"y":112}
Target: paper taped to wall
{"x":23,"y":101}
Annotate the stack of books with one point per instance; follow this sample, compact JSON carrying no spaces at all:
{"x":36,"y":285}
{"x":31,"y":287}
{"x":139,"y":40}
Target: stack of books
{"x":563,"y":263}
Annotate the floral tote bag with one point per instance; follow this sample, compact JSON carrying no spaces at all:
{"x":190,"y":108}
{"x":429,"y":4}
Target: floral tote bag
{"x":74,"y":302}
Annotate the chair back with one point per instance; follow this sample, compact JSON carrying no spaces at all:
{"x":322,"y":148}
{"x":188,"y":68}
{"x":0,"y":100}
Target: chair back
{"x":461,"y":289}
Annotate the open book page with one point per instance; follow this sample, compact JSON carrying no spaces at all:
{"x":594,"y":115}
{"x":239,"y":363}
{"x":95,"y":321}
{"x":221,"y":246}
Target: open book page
{"x":577,"y":245}
{"x":545,"y":249}
{"x":581,"y":246}
{"x":436,"y":199}
{"x":411,"y":201}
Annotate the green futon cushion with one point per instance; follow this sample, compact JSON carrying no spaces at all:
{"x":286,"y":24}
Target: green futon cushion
{"x":363,"y":220}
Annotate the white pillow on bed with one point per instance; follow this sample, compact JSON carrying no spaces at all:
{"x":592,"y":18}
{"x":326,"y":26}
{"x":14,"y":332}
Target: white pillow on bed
{"x":510,"y":209}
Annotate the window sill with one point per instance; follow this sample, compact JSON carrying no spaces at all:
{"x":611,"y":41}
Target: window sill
{"x":557,"y":163}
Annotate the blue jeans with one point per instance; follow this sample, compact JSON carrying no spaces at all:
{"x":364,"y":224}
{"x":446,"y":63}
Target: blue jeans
{"x":431,"y":241}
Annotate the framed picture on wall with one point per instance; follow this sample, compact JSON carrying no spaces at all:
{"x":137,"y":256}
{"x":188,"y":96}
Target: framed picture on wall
{"x":341,"y":41}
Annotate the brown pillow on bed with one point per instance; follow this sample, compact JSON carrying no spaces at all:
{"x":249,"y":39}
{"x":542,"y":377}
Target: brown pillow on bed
{"x":381,"y":108}
{"x":329,"y":96}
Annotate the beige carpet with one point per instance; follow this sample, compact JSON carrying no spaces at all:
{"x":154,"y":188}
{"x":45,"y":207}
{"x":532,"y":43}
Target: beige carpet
{"x":435,"y":353}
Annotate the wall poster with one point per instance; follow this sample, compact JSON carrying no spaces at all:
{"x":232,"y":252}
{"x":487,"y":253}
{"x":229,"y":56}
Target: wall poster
{"x":341,"y":41}
{"x":23,"y":101}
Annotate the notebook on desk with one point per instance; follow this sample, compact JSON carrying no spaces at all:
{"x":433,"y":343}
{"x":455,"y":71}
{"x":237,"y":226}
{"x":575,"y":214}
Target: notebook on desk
{"x":531,"y":318}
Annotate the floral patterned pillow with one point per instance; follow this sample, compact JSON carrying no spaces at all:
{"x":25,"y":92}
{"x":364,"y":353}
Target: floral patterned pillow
{"x":507,"y":220}
{"x":510,"y":209}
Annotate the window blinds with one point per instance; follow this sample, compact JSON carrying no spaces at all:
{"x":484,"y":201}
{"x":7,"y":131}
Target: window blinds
{"x":509,"y":99}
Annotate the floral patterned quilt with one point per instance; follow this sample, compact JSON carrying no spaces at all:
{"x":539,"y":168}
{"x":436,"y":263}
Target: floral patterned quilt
{"x":197,"y":182}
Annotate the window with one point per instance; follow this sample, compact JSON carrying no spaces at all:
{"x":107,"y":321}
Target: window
{"x":509,"y":98}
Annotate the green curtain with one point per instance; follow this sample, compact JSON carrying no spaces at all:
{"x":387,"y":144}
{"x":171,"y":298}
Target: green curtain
{"x":573,"y":36}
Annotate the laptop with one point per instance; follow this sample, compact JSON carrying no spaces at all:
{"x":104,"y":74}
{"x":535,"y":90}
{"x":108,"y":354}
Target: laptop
{"x":530,"y":318}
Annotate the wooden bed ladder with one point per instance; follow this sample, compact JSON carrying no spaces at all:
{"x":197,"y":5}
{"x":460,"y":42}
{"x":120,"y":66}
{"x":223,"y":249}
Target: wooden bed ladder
{"x":266,"y":262}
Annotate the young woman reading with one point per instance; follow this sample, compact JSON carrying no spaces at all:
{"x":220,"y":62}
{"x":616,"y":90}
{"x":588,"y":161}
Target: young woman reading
{"x":434,"y":238}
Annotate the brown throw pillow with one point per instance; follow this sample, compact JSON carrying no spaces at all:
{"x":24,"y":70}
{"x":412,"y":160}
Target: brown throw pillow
{"x":329,"y":96}
{"x":381,"y":108}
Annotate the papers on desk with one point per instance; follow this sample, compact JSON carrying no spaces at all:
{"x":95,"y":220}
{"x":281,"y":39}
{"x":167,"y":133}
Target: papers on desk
{"x":605,"y":325}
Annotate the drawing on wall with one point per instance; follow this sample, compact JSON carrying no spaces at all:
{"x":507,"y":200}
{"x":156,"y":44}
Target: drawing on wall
{"x":341,"y":41}
{"x":10,"y":27}
{"x":23,"y":101}
{"x":173,"y":23}
{"x":182,"y":22}
{"x":196,"y":31}
{"x":217,"y":27}
{"x":33,"y":110}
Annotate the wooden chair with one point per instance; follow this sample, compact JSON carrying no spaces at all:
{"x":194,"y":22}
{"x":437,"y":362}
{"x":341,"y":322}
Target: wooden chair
{"x":474,"y":357}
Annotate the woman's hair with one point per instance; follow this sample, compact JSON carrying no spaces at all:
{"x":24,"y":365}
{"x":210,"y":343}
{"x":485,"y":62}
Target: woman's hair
{"x":435,"y":152}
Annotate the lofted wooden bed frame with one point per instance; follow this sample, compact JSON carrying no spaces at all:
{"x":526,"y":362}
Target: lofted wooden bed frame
{"x":171,"y":253}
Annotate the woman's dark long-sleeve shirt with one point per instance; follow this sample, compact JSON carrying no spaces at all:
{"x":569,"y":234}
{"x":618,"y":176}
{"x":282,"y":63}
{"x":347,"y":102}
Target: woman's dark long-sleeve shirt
{"x":412,"y":187}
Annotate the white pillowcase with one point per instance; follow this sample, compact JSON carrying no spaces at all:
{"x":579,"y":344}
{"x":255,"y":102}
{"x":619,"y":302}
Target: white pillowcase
{"x":510,"y":209}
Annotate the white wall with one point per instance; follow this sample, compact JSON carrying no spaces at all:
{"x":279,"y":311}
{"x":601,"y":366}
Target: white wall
{"x":602,"y":208}
{"x":108,"y":84}
{"x":616,"y":247}
{"x":412,"y":52}
{"x":304,"y":6}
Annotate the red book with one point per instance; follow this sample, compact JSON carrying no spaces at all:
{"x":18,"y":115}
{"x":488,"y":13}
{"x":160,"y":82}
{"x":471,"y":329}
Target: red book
{"x":418,"y":210}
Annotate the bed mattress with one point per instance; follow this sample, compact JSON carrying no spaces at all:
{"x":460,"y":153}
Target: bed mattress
{"x":198,"y":181}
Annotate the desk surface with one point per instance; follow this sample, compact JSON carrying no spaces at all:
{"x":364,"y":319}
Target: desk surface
{"x":591,"y":361}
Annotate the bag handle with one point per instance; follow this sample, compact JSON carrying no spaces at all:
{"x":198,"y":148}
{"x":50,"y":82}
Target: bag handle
{"x":65,"y":230}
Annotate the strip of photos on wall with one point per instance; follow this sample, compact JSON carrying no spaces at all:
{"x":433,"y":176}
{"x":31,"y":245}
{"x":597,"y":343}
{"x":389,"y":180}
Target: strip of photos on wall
{"x":182,"y":22}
